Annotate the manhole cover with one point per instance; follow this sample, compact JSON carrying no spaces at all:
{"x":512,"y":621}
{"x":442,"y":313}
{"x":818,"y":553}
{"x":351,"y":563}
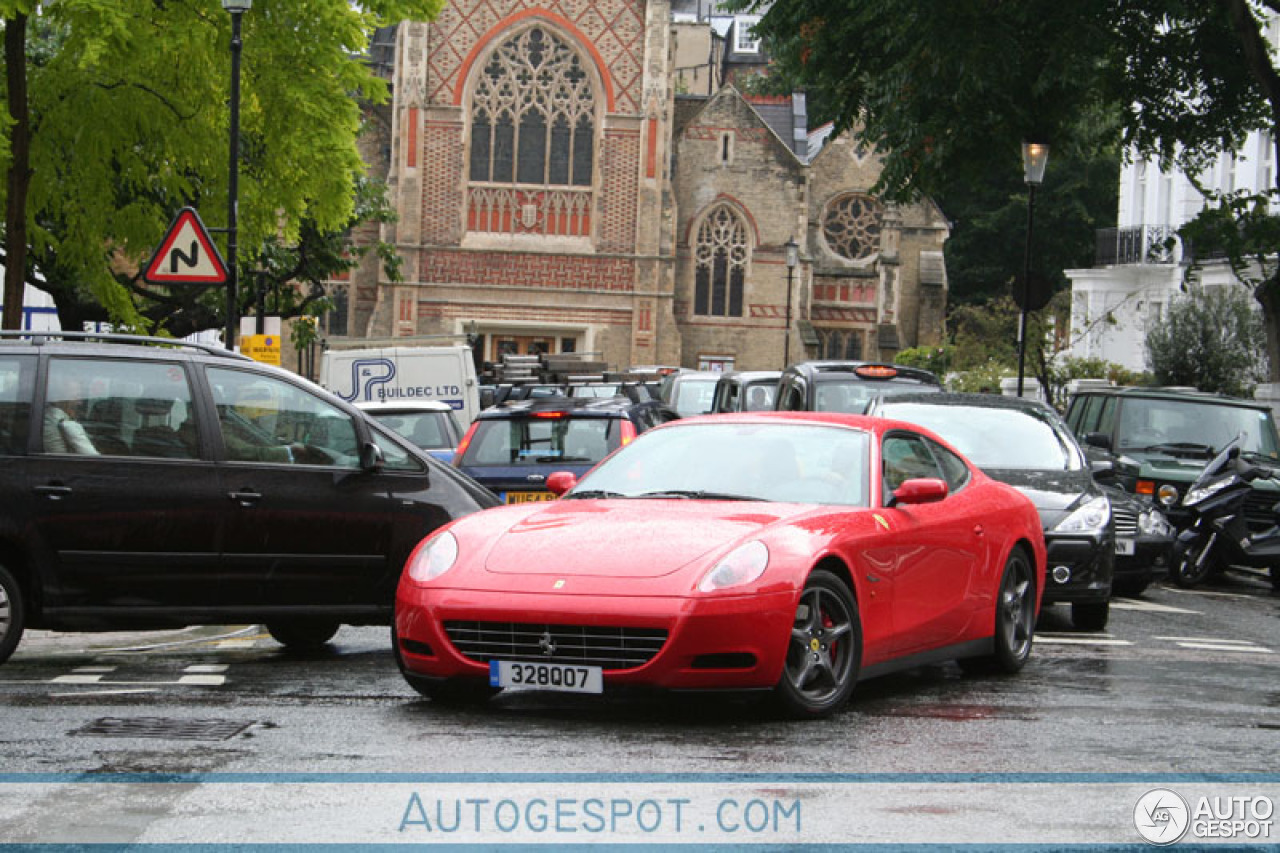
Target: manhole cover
{"x":163,"y":727}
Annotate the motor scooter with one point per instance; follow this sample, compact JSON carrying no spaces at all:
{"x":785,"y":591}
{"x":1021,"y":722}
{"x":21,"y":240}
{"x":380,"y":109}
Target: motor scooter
{"x":1218,"y":535}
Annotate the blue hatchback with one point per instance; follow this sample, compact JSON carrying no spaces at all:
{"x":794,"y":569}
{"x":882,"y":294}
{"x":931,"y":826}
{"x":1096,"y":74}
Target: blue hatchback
{"x":512,"y":447}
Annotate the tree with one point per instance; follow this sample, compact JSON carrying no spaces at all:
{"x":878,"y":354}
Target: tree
{"x":128,"y":123}
{"x":943,"y":89}
{"x":1211,"y":339}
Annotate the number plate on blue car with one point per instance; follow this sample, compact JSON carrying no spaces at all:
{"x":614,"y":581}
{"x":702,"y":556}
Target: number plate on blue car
{"x":1124,"y":547}
{"x":546,"y":676}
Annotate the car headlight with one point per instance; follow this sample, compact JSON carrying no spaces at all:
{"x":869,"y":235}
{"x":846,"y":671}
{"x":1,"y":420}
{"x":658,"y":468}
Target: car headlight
{"x":1090,"y":517}
{"x":741,"y":565}
{"x":1153,"y":523}
{"x":433,"y":558}
{"x":1203,"y":493}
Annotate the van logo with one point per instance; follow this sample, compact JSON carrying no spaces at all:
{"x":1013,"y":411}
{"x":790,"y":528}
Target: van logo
{"x":546,"y":644}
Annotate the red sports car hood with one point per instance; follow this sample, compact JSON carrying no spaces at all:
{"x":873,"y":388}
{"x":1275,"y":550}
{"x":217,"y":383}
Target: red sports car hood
{"x":625,"y":538}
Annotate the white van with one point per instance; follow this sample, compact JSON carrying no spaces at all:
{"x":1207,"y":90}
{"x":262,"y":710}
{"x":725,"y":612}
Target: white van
{"x":405,"y":375}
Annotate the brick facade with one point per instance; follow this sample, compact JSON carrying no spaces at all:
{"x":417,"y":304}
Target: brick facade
{"x":671,"y":250}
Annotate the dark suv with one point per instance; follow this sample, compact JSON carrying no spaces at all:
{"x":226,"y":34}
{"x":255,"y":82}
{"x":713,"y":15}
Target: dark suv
{"x":512,"y":447}
{"x":847,"y":386}
{"x":1159,"y":439}
{"x":146,"y":486}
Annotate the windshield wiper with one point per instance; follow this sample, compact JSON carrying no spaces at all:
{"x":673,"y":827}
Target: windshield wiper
{"x":1179,"y":447}
{"x":596,"y":493}
{"x":696,"y":494}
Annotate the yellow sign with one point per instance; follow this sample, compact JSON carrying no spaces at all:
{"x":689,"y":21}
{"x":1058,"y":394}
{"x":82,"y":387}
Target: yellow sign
{"x":264,"y":348}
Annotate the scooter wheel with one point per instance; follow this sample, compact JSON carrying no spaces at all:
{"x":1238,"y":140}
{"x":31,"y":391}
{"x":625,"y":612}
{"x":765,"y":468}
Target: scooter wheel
{"x":1190,"y":565}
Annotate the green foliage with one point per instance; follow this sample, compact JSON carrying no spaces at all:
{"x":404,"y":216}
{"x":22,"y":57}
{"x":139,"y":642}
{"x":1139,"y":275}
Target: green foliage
{"x":1068,"y":368}
{"x":1212,"y":339}
{"x":129,"y":120}
{"x":935,"y":359}
{"x":981,"y":378}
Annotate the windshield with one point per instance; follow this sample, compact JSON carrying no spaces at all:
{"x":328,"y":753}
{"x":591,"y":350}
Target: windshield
{"x":855,"y":395}
{"x":428,"y":430}
{"x":693,"y":396}
{"x":1171,"y":426}
{"x":995,"y":438}
{"x":799,"y":463}
{"x":542,"y":441}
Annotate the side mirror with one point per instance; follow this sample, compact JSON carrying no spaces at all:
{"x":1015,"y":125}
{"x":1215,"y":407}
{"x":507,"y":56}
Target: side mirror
{"x":925,"y":490}
{"x":1098,"y":439}
{"x":559,"y":482}
{"x":1103,"y":469}
{"x":370,"y":457}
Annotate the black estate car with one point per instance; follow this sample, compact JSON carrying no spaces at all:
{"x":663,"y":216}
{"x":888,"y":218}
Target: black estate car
{"x":149,"y":483}
{"x":1025,"y":444}
{"x":847,"y":386}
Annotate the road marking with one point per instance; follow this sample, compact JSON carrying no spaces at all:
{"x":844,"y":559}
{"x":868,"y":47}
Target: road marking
{"x":81,"y":678}
{"x":235,"y":644}
{"x":1221,"y":647}
{"x":1217,"y":644}
{"x":1147,"y":606}
{"x":81,"y":693}
{"x":206,"y":667}
{"x":205,"y":680}
{"x":1077,"y":640}
{"x":103,"y":669}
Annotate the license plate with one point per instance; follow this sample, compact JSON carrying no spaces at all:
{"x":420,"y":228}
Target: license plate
{"x":546,"y":676}
{"x":529,"y":497}
{"x":1124,"y":547}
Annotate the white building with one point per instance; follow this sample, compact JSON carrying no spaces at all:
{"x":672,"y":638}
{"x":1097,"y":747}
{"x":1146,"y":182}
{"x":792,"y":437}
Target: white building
{"x":1140,"y":265}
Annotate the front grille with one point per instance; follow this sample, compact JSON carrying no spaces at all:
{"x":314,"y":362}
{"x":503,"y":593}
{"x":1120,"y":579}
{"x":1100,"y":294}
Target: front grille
{"x":1126,"y":521}
{"x":589,"y":645}
{"x":1258,"y":510}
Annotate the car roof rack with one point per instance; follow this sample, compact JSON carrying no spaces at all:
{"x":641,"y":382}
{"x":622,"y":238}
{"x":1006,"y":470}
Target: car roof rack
{"x":42,"y":336}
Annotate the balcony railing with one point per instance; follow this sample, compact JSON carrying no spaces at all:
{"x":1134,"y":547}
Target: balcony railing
{"x":1138,"y":244}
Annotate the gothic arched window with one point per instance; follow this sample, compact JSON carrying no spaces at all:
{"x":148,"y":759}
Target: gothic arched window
{"x":533,"y":138}
{"x":851,"y":225}
{"x":720,"y":256}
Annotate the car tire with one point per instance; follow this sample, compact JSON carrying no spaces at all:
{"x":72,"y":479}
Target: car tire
{"x":303,"y":633}
{"x":1090,"y":615}
{"x":824,"y":651}
{"x":1015,"y":620}
{"x":13,"y":614}
{"x":1183,"y":569}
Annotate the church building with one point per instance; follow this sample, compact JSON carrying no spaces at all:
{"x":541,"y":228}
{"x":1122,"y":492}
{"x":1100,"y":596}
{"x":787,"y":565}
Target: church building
{"x":561,"y":187}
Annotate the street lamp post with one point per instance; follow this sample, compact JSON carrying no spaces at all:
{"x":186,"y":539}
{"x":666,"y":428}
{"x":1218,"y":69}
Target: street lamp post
{"x":237,"y":8}
{"x":1035,"y":155}
{"x":793,"y":258}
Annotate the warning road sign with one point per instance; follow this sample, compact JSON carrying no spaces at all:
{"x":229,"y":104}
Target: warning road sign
{"x":187,"y":255}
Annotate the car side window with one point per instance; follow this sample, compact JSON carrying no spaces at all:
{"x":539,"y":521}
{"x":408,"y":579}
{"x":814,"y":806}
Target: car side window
{"x":116,"y":407}
{"x":394,"y":457}
{"x":906,"y":457}
{"x":793,"y":398}
{"x":1107,"y":420}
{"x":15,"y":402}
{"x":954,"y":471}
{"x":264,"y":419}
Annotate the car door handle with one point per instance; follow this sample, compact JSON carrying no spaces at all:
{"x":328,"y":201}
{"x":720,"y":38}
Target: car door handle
{"x":53,"y":492}
{"x":245,"y":497}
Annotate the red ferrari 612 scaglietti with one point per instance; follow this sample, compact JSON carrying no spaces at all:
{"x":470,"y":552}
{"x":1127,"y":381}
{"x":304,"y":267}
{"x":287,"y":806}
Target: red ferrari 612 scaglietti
{"x":792,"y":551}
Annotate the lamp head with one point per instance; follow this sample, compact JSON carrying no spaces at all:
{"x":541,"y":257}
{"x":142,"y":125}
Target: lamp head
{"x":793,"y":253}
{"x":1035,"y":156}
{"x":236,"y":7}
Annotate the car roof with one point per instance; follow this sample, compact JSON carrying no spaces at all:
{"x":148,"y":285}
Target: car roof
{"x":947,"y":398}
{"x":749,"y":375}
{"x":381,"y":407}
{"x":601,"y":407}
{"x":845,"y":370}
{"x":110,"y":343}
{"x":1172,"y":393}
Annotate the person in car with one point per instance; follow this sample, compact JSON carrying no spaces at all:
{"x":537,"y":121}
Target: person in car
{"x":62,"y":432}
